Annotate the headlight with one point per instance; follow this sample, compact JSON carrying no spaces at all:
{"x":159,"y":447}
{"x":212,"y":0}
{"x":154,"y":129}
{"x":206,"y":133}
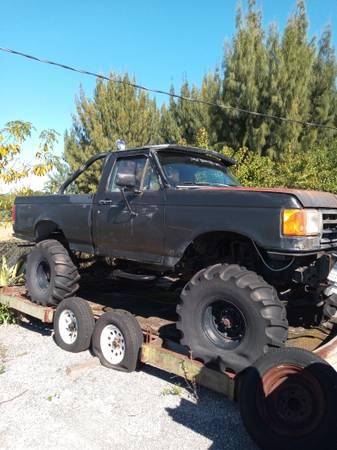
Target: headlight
{"x":301,"y":222}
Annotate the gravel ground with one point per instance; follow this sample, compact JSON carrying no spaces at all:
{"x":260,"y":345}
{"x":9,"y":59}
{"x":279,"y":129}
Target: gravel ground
{"x":41,"y":406}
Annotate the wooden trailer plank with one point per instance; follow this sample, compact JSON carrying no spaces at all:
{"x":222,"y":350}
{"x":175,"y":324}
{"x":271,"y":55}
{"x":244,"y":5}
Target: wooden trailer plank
{"x":43,"y":313}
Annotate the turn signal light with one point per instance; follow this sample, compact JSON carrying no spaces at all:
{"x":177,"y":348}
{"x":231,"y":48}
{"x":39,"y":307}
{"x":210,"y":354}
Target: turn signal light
{"x":301,"y":222}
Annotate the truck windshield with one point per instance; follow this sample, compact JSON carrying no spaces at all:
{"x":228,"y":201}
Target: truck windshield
{"x":193,"y":170}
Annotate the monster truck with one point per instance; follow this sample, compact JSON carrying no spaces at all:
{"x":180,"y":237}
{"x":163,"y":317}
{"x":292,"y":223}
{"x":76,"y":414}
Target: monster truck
{"x":247,"y":260}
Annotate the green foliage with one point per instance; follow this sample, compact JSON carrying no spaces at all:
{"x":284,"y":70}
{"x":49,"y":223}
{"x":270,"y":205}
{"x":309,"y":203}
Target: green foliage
{"x":173,"y":389}
{"x":7,"y":317}
{"x":284,"y":75}
{"x":281,"y":74}
{"x":310,"y":169}
{"x":313,"y":169}
{"x":10,"y":275}
{"x":61,"y":171}
{"x":12,"y":136}
{"x":117,"y":111}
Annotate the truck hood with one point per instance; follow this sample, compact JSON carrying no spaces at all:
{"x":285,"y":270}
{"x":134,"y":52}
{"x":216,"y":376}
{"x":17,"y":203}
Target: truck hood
{"x":307,"y":198}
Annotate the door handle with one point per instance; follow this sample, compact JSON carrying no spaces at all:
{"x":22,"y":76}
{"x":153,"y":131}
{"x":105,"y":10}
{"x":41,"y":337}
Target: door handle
{"x":105,"y":202}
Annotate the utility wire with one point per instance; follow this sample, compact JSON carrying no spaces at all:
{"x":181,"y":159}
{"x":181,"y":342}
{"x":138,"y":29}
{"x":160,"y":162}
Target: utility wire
{"x":171,"y":94}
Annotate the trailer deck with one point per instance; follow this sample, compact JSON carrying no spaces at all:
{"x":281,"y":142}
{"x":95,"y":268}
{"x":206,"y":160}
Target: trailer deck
{"x":160,"y":349}
{"x":160,"y":352}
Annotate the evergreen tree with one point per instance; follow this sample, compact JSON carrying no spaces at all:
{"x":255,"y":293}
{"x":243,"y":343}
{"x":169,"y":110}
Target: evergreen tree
{"x":323,"y":88}
{"x":294,"y":80}
{"x":187,"y":115}
{"x":169,"y":130}
{"x":245,"y":77}
{"x":211,"y":120}
{"x":117,"y":111}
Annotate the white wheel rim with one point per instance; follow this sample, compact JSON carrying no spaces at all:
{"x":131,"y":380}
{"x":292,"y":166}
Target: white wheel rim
{"x":112,"y":344}
{"x":68,"y":326}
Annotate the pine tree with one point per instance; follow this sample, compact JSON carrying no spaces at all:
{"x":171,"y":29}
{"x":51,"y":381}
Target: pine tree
{"x":117,"y":111}
{"x":293,"y":81}
{"x":323,"y":88}
{"x":245,"y":76}
{"x":169,"y":130}
{"x":211,"y":120}
{"x":187,"y":115}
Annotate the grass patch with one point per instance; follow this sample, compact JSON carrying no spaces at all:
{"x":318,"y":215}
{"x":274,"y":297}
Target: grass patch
{"x":2,"y":369}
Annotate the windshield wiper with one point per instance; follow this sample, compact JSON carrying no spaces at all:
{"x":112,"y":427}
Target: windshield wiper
{"x":190,"y":183}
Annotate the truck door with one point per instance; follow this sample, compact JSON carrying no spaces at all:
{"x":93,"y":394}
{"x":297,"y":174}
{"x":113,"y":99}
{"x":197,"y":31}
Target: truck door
{"x":117,"y":231}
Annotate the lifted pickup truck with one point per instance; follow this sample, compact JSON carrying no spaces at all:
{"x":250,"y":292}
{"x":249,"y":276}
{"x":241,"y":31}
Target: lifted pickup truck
{"x":247,"y":260}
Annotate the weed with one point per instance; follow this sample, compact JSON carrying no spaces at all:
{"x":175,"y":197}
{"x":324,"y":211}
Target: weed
{"x":7,"y":315}
{"x":2,"y":369}
{"x":52,"y":397}
{"x":173,"y":389}
{"x":190,"y":381}
{"x":10,"y":276}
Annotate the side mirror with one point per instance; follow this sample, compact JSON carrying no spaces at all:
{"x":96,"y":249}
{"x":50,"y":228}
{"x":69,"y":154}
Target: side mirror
{"x":126,"y":180}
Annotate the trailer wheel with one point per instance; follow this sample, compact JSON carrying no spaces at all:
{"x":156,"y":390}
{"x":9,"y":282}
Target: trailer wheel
{"x":73,"y":325}
{"x":230,"y":316}
{"x":51,"y":275}
{"x":117,"y":340}
{"x":288,"y":401}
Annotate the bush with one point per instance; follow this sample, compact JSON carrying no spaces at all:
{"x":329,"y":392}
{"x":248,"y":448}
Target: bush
{"x":311,"y":169}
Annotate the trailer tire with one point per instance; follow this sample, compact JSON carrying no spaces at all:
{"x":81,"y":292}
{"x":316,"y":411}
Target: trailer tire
{"x":74,"y":324}
{"x":288,"y":401}
{"x":230,"y":316}
{"x":51,"y":275}
{"x":117,"y":340}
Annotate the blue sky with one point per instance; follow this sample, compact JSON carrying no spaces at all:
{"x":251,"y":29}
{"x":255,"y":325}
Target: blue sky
{"x":160,"y":42}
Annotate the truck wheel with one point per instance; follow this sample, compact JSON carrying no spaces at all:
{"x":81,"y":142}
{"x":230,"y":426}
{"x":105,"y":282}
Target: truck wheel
{"x":288,"y":401}
{"x":51,"y":275}
{"x":231,"y":316}
{"x":73,"y":325}
{"x":117,"y":340}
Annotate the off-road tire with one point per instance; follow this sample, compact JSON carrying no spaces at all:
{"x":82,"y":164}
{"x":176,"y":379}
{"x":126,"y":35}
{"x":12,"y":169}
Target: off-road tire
{"x":263,"y":315}
{"x":288,"y":401}
{"x":50,"y":257}
{"x":85,"y":323}
{"x":131,"y":333}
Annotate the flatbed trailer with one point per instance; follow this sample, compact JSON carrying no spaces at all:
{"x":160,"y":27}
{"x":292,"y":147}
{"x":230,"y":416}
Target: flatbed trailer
{"x":171,"y":359}
{"x":170,"y":356}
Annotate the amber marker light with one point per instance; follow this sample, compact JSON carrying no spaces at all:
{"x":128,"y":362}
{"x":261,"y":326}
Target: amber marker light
{"x":301,"y":222}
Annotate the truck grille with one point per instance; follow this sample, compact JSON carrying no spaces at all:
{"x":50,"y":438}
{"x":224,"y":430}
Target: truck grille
{"x":329,"y":232}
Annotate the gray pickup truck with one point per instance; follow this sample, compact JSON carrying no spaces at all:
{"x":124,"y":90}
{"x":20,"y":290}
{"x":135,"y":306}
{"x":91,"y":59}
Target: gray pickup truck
{"x":247,"y":260}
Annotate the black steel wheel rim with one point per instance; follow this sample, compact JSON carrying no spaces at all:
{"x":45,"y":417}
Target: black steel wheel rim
{"x":224,"y":324}
{"x":291,"y":400}
{"x":43,"y":275}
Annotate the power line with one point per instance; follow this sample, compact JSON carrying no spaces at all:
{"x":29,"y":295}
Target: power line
{"x":171,"y":94}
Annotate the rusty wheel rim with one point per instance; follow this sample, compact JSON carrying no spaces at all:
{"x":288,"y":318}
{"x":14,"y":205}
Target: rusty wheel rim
{"x":292,"y":401}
